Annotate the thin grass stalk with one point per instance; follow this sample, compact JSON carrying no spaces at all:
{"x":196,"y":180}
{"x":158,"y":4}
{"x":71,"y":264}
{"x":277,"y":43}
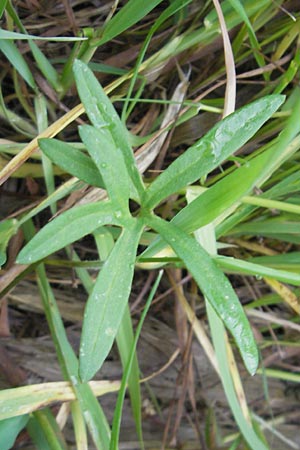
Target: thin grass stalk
{"x":91,"y":409}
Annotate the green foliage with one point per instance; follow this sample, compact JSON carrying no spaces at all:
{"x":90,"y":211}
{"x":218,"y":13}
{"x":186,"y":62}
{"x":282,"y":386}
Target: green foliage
{"x":217,"y":145}
{"x":229,"y":204}
{"x":102,"y":114}
{"x":72,"y":161}
{"x":112,"y":160}
{"x":10,"y":50}
{"x":106,"y":304}
{"x":132,"y":12}
{"x":9,"y":430}
{"x":7,"y":229}
{"x":69,"y":227}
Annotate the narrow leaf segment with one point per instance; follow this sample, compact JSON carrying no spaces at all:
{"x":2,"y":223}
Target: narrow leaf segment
{"x":71,"y":160}
{"x":106,"y":304}
{"x":67,"y":228}
{"x":109,"y":161}
{"x":102,"y":113}
{"x":218,"y":144}
{"x":214,"y":285}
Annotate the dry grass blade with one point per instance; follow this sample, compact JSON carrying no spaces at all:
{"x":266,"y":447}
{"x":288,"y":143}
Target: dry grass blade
{"x":30,"y":148}
{"x":24,"y":400}
{"x":285,"y":293}
{"x":230,"y":94}
{"x":196,"y":325}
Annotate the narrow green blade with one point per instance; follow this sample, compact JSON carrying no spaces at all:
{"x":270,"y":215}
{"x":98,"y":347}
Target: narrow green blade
{"x":72,"y":161}
{"x":214,"y":285}
{"x":9,"y":430}
{"x":16,"y":59}
{"x":110,"y":162}
{"x":217,"y":145}
{"x":102,"y":114}
{"x":131,"y":13}
{"x":67,"y":228}
{"x":106,"y":304}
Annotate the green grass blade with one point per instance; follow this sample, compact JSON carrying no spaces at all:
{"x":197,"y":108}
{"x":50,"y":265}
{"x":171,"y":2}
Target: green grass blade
{"x":108,"y":300}
{"x":2,"y":7}
{"x":289,"y":185}
{"x":72,"y":161}
{"x":67,"y":228}
{"x":214,"y":286}
{"x":174,"y":7}
{"x":217,"y":330}
{"x":110,"y":162}
{"x":46,"y":422}
{"x":37,"y":436}
{"x":79,"y":425}
{"x":40,"y":107}
{"x":61,"y":192}
{"x":239,"y":266}
{"x":102,"y":114}
{"x":219,"y":143}
{"x":6,"y":35}
{"x":268,"y":227}
{"x":131,"y":13}
{"x":238,"y":6}
{"x":230,"y":380}
{"x":9,"y":430}
{"x":8,"y":228}
{"x":45,"y":66}
{"x":285,"y":261}
{"x":125,"y":340}
{"x":115,"y":432}
{"x":17,"y":61}
{"x":43,"y":63}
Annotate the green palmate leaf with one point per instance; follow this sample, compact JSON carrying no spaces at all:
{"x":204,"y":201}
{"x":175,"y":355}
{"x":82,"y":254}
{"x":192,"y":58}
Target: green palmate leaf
{"x":67,"y":228}
{"x":106,"y":304}
{"x":109,"y":161}
{"x":9,"y":430}
{"x":13,"y":54}
{"x":219,"y":143}
{"x":214,"y":285}
{"x":102,"y":114}
{"x":72,"y":161}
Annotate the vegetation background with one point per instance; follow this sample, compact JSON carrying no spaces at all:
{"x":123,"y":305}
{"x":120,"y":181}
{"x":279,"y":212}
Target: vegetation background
{"x":172,"y":70}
